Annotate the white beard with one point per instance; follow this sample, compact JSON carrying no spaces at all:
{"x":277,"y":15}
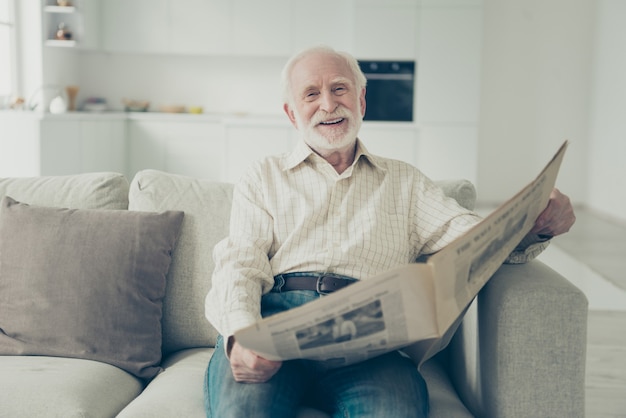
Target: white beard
{"x":330,"y":142}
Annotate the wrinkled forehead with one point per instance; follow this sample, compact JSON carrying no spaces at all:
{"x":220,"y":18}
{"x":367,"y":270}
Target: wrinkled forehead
{"x":320,"y":69}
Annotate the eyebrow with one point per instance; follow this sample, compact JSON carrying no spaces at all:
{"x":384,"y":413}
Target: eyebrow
{"x":342,"y":80}
{"x":334,"y":81}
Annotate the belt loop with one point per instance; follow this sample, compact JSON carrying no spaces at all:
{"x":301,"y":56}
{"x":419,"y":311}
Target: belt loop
{"x":279,"y":282}
{"x":318,"y":285}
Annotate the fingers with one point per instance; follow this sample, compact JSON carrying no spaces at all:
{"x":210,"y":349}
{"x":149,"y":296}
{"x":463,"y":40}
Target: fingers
{"x":557,"y":218}
{"x":248,"y":367}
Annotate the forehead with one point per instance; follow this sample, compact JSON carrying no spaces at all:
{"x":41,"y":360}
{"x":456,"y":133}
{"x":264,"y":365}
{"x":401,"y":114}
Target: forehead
{"x":319,"y":69}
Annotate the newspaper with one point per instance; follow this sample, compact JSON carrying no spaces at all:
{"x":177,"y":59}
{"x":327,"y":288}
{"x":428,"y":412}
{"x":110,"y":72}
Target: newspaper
{"x":416,"y":307}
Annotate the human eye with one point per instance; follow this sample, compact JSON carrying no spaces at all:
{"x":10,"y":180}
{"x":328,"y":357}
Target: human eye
{"x":310,"y":95}
{"x":340,"y":89}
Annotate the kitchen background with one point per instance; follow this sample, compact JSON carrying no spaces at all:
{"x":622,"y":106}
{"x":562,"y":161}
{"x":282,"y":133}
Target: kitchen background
{"x":498,"y":86}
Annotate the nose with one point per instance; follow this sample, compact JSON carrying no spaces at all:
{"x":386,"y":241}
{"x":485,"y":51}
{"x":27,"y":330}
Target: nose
{"x":328,"y":102}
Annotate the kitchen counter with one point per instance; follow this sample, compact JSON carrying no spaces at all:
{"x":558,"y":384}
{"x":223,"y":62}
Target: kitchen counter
{"x":217,"y":146}
{"x":226,"y":118}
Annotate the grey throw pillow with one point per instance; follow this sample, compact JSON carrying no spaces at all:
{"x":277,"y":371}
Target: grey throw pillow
{"x":85,"y":283}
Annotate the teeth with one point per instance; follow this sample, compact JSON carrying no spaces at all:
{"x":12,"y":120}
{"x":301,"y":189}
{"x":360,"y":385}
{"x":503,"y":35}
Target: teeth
{"x":332,"y":122}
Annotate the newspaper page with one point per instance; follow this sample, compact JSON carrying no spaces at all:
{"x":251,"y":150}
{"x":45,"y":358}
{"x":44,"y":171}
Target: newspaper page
{"x":463,"y":267}
{"x":376,"y":316}
{"x":416,"y":307}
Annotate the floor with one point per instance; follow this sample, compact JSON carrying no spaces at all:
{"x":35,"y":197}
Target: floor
{"x":593,"y":257}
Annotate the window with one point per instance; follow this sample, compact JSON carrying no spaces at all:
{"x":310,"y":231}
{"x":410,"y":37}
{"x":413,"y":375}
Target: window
{"x":7,"y":55}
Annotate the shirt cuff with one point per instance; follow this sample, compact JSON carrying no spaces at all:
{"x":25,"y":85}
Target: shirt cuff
{"x":237,"y":320}
{"x":529,"y":248}
{"x":228,"y":345}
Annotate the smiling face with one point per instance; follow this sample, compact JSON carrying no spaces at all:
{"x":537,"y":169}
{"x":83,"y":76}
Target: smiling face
{"x":325,"y":104}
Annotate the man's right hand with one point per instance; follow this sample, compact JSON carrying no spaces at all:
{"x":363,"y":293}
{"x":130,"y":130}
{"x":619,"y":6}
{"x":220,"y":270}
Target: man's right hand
{"x":248,"y":367}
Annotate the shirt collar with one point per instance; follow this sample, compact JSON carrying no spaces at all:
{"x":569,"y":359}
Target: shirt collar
{"x":303,"y":152}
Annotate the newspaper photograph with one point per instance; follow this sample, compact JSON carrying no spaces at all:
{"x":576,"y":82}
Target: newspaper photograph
{"x":341,"y":328}
{"x":416,"y":307}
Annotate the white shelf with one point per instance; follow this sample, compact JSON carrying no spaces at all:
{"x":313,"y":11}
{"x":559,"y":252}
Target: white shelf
{"x":59,"y":9}
{"x":54,"y":15}
{"x":57,"y":42}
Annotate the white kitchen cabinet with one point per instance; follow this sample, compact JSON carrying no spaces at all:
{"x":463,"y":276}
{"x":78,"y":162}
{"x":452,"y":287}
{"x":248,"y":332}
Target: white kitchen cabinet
{"x":70,"y":147}
{"x":135,"y":26}
{"x":37,"y":144}
{"x":195,"y":149}
{"x":60,"y":147}
{"x":103,"y":146}
{"x":261,"y":28}
{"x":187,"y":148}
{"x":200,"y":26}
{"x":391,"y":140}
{"x":449,"y":152}
{"x":322,"y":22}
{"x":146,"y":145}
{"x":448,"y":70}
{"x":371,"y":29}
{"x":210,"y":27}
{"x":249,"y":142}
{"x":386,"y":30}
{"x":19,"y":144}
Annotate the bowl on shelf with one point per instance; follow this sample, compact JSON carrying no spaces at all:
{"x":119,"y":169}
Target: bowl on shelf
{"x":172,"y":109}
{"x":135,"y":105}
{"x":95,"y":104}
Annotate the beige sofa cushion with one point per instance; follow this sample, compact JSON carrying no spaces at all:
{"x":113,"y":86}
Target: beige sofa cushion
{"x":80,"y":191}
{"x":207,"y":212}
{"x":463,"y":191}
{"x":84,"y":283}
{"x":36,"y":386}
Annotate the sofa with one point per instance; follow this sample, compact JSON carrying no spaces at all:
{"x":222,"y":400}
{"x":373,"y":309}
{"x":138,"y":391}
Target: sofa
{"x":87,"y":330}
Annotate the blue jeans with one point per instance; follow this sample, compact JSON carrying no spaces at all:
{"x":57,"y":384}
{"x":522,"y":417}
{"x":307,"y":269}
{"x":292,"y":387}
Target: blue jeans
{"x":384,"y":386}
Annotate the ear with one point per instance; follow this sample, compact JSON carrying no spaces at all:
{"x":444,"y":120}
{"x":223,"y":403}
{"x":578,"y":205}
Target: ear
{"x":362,"y":100}
{"x":290,"y":115}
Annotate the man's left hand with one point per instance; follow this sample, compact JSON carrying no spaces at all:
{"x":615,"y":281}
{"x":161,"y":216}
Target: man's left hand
{"x":557,"y":218}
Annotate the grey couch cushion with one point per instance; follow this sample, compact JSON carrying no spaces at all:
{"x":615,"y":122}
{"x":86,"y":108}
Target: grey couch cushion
{"x":81,"y":191}
{"x":177,"y":391}
{"x":84,"y":283}
{"x":207,"y":212}
{"x":33,"y":386}
{"x":463,"y":191}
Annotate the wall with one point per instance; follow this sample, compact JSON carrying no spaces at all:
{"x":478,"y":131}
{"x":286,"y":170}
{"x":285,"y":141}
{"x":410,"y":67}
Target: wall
{"x":548,"y":71}
{"x":535,"y":92}
{"x":607,"y":143}
{"x":29,"y":54}
{"x":218,"y":84}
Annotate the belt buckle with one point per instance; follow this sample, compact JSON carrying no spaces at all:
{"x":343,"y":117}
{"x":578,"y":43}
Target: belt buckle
{"x":318,"y":285}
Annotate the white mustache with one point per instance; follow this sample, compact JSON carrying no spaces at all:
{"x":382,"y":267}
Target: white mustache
{"x":321,"y":116}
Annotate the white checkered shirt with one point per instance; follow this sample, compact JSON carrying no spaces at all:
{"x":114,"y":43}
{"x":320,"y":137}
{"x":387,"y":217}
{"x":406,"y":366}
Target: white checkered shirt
{"x":293,"y":212}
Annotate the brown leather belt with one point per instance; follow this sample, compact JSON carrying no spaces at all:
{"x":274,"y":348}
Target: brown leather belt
{"x":322,"y":283}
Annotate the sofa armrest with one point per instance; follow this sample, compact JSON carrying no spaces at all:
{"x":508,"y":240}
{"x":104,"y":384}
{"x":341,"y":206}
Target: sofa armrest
{"x":521,"y":349}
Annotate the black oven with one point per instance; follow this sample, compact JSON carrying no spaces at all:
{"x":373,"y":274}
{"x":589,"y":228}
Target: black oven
{"x":390,"y":88}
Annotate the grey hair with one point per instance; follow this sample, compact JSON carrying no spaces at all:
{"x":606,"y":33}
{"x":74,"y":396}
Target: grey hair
{"x":352,"y":63}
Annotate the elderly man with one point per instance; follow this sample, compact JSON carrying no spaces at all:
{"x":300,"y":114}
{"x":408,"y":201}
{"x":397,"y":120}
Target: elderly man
{"x":328,"y":207}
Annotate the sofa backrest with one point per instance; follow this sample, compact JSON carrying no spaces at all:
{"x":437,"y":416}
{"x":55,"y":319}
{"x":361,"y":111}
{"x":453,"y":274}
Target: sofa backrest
{"x":207,"y":213}
{"x":463,"y":191}
{"x":80,"y":191}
